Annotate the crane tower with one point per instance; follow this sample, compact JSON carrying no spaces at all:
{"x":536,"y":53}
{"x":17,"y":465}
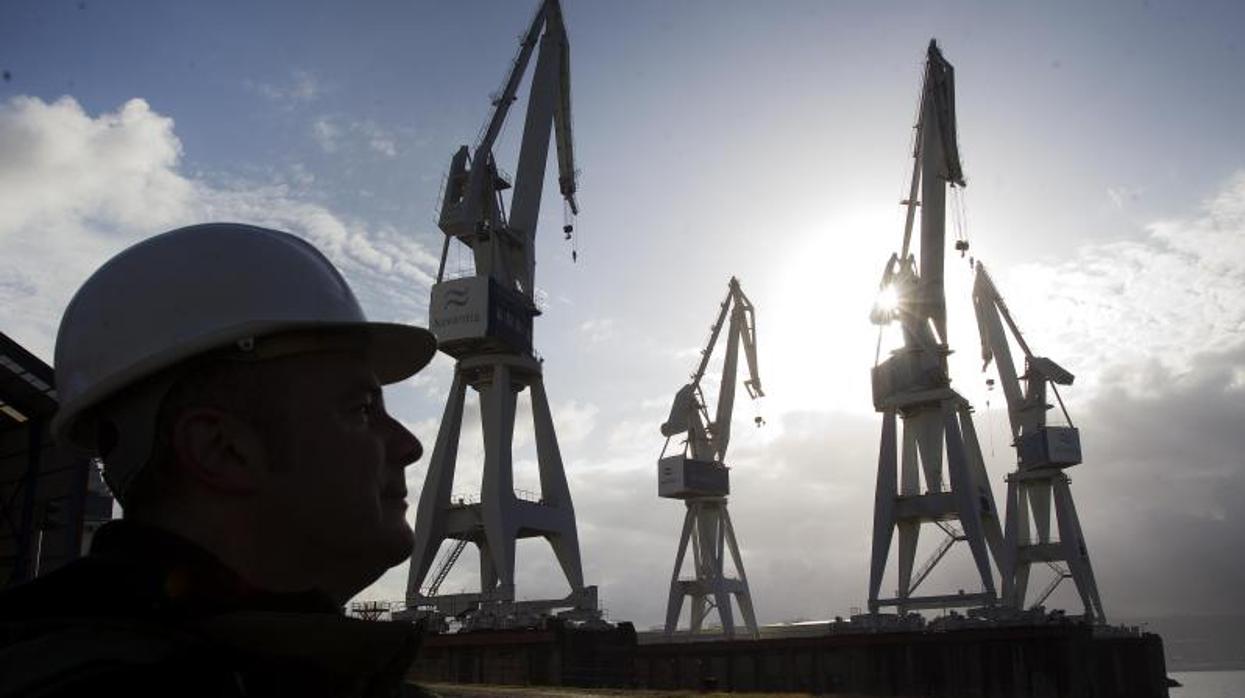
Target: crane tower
{"x":912,"y":388}
{"x":699,"y":476}
{"x":1043,"y":453}
{"x":485,"y":322}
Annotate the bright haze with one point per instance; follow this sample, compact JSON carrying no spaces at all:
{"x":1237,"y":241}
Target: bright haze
{"x":1106,"y":192}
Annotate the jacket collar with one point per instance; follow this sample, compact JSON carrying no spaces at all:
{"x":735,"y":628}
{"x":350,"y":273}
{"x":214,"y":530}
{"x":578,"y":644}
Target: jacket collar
{"x":171,"y":574}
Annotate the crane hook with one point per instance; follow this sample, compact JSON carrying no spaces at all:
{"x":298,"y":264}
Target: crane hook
{"x":568,"y":229}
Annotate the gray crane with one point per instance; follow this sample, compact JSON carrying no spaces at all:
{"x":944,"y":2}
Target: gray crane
{"x":698,"y":475}
{"x":485,"y":322}
{"x":913,"y":386}
{"x":1043,"y":452}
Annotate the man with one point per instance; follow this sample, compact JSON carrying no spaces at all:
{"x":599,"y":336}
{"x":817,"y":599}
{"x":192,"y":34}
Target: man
{"x":229,"y":382}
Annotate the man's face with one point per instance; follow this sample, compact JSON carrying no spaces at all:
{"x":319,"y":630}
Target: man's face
{"x":337,"y":491}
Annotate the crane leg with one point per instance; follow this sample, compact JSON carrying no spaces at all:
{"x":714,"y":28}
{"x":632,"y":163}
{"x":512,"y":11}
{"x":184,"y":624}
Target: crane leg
{"x":497,"y":500}
{"x":675,"y":604}
{"x":434,"y":499}
{"x":883,"y":507}
{"x":967,"y":499}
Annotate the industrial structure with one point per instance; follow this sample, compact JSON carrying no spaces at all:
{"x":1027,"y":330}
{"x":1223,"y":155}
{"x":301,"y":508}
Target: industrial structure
{"x":1042,"y":453}
{"x":698,"y":475}
{"x":930,"y":471}
{"x":485,"y":322}
{"x":912,"y":388}
{"x":51,"y":501}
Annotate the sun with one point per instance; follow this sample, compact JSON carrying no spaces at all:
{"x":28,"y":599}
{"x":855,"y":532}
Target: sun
{"x":887,"y":301}
{"x":816,"y":340}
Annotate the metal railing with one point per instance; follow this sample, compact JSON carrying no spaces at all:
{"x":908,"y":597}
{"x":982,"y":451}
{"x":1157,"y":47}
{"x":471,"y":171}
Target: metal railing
{"x":953,"y":535}
{"x":443,"y":569}
{"x":471,"y":498}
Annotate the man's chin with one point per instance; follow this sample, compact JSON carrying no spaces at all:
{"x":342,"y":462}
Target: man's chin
{"x":398,"y":541}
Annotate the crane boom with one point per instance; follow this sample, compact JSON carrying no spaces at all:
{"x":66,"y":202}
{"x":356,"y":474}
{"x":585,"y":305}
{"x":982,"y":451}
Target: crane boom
{"x":502,"y":102}
{"x":1027,"y":410}
{"x":563,"y":126}
{"x":709,"y":440}
{"x":472,"y":208}
{"x":548,"y":104}
{"x":936,"y":163}
{"x":987,"y":304}
{"x":742,"y":331}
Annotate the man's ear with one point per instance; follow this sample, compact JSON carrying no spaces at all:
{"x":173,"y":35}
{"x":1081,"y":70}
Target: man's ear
{"x":219,"y":451}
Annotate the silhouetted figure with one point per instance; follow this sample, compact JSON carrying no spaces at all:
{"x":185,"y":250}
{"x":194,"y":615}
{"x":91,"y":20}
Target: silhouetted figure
{"x":231,"y":385}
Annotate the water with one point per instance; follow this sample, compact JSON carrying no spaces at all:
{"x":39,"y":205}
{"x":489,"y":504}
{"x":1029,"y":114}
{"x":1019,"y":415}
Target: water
{"x":1209,"y":684}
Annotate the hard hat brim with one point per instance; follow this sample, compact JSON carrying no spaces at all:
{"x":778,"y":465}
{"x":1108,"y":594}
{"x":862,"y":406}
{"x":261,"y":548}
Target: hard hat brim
{"x":397,"y":352}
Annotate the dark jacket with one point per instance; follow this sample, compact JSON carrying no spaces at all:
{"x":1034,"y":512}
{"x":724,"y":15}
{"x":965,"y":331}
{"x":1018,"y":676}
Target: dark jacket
{"x":149,"y":613}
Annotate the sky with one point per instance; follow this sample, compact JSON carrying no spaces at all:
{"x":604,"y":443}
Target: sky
{"x":769,"y":141}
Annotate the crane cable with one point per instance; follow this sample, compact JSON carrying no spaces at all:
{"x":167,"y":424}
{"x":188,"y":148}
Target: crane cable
{"x":960,"y":214}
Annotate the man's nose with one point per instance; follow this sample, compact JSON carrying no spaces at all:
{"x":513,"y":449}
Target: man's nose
{"x":403,"y":447}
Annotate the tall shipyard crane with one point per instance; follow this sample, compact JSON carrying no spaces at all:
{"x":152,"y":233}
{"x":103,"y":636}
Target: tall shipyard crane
{"x":699,"y":476}
{"x":913,"y":386}
{"x":485,"y":322}
{"x":1043,"y":452}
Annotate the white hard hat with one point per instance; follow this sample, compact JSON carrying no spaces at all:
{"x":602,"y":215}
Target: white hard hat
{"x":192,"y":290}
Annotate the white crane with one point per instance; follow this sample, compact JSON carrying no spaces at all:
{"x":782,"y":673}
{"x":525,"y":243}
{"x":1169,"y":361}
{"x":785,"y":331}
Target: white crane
{"x":699,"y":476}
{"x":1043,"y":452}
{"x":913,"y":385}
{"x":485,"y":322}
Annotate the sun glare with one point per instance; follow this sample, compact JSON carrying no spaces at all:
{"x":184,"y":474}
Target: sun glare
{"x":887,"y":300}
{"x":816,"y":343}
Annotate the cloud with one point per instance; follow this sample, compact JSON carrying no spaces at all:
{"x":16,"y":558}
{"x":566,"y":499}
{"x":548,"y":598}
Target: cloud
{"x":325,"y":133}
{"x":1118,"y":306}
{"x":598,"y":330}
{"x":1121,"y":197}
{"x":60,"y":163}
{"x":302,"y":88}
{"x":574,"y":421}
{"x":332,"y":135}
{"x":378,"y":139}
{"x":1159,"y":493}
{"x":76,"y":189}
